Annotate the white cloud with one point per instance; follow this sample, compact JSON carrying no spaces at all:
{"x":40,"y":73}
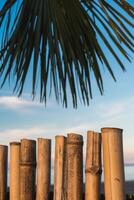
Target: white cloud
{"x":11,"y":135}
{"x":15,"y":102}
{"x":17,"y":134}
{"x":109,"y":113}
{"x":116,"y":108}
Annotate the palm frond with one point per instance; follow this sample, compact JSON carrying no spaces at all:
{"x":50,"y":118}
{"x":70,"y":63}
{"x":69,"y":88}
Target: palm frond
{"x":60,"y":41}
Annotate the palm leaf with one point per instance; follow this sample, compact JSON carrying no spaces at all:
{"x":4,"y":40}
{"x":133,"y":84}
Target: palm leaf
{"x":60,"y":42}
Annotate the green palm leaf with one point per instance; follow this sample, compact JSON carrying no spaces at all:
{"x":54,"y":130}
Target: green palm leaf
{"x":60,"y":41}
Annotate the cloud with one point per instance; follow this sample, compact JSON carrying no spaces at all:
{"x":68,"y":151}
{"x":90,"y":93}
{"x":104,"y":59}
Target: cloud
{"x":49,"y":132}
{"x":105,"y":114}
{"x":116,"y":108}
{"x":10,"y":135}
{"x":15,"y":102}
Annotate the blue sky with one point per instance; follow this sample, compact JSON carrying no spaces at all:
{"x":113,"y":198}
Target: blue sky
{"x":24,"y":118}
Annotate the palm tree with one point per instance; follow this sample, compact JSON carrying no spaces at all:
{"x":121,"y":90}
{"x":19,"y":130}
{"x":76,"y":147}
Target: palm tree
{"x":61,"y":43}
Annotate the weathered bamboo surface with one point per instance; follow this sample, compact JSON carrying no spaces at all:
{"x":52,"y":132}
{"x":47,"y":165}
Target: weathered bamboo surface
{"x":59,"y":168}
{"x":43,"y":169}
{"x":68,"y":168}
{"x":14,"y":170}
{"x":3,"y":171}
{"x":27,"y":169}
{"x":74,"y":166}
{"x":113,"y":164}
{"x":93,"y":166}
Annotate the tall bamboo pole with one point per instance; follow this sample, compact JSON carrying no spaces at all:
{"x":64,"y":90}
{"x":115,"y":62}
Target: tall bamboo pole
{"x":3,"y":171}
{"x":14,"y":170}
{"x":114,"y":180}
{"x":93,"y":166}
{"x":59,"y":168}
{"x":75,"y":166}
{"x":43,"y":169}
{"x":27,"y":169}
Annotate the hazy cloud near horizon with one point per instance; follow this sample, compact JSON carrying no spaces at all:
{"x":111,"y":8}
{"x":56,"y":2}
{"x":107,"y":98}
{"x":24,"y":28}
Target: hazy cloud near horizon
{"x":22,"y":117}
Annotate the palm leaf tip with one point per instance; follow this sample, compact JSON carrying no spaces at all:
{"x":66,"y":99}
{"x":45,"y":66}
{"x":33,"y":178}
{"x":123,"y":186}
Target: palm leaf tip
{"x":60,"y":43}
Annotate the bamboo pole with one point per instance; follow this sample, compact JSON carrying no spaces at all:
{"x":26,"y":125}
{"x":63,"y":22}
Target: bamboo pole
{"x":93,"y":166}
{"x":59,"y":168}
{"x":114,"y":180}
{"x":43,"y":169}
{"x":3,"y":171}
{"x":65,"y":173}
{"x":14,"y":170}
{"x":75,"y":166}
{"x":27,"y":169}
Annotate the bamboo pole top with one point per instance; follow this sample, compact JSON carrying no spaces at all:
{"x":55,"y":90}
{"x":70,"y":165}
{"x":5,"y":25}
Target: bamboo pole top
{"x":73,"y":138}
{"x":91,"y":131}
{"x":28,"y":140}
{"x":111,"y":129}
{"x":15,"y":143}
{"x":60,"y":136}
{"x":3,"y":146}
{"x":28,"y":151}
{"x":43,"y":139}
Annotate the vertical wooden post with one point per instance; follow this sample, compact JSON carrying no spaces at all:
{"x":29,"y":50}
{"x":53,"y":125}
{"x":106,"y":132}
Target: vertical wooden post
{"x":14,"y":170}
{"x":65,"y":173}
{"x":43,"y":169}
{"x":27,"y":169}
{"x":59,"y":168}
{"x":75,"y":166}
{"x":3,"y":171}
{"x":93,"y":166}
{"x":113,"y":164}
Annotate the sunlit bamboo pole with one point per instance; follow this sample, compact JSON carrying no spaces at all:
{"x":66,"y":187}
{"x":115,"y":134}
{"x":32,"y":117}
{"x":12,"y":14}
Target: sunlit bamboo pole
{"x":3,"y":171}
{"x":27,"y":169}
{"x":114,"y":180}
{"x":93,"y":166}
{"x":59,"y":168}
{"x":75,"y":166}
{"x":14,"y":170}
{"x":65,"y":172}
{"x":43,"y":169}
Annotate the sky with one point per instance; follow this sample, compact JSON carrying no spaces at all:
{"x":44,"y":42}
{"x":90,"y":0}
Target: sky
{"x":24,"y":118}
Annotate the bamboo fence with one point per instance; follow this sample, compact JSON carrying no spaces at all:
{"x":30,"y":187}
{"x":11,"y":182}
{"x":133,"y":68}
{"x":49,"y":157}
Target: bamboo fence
{"x":30,"y":169}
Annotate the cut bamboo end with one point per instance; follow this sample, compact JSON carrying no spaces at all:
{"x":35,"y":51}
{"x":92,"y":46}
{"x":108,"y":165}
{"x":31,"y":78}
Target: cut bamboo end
{"x":14,"y":170}
{"x":113,"y":163}
{"x":27,"y":169}
{"x":14,"y":143}
{"x":3,"y":171}
{"x":59,"y":168}
{"x":111,"y":129}
{"x":43,"y":169}
{"x":93,"y":166}
{"x":28,"y":151}
{"x":73,"y":138}
{"x":74,"y":166}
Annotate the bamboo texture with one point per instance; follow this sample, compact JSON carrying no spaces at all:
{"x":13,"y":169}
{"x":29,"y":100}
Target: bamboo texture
{"x":114,"y":180}
{"x":14,"y":170}
{"x":59,"y":168}
{"x":93,"y":166}
{"x":74,"y":166}
{"x":68,"y":167}
{"x":43,"y":169}
{"x":27,"y":169}
{"x":3,"y":171}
